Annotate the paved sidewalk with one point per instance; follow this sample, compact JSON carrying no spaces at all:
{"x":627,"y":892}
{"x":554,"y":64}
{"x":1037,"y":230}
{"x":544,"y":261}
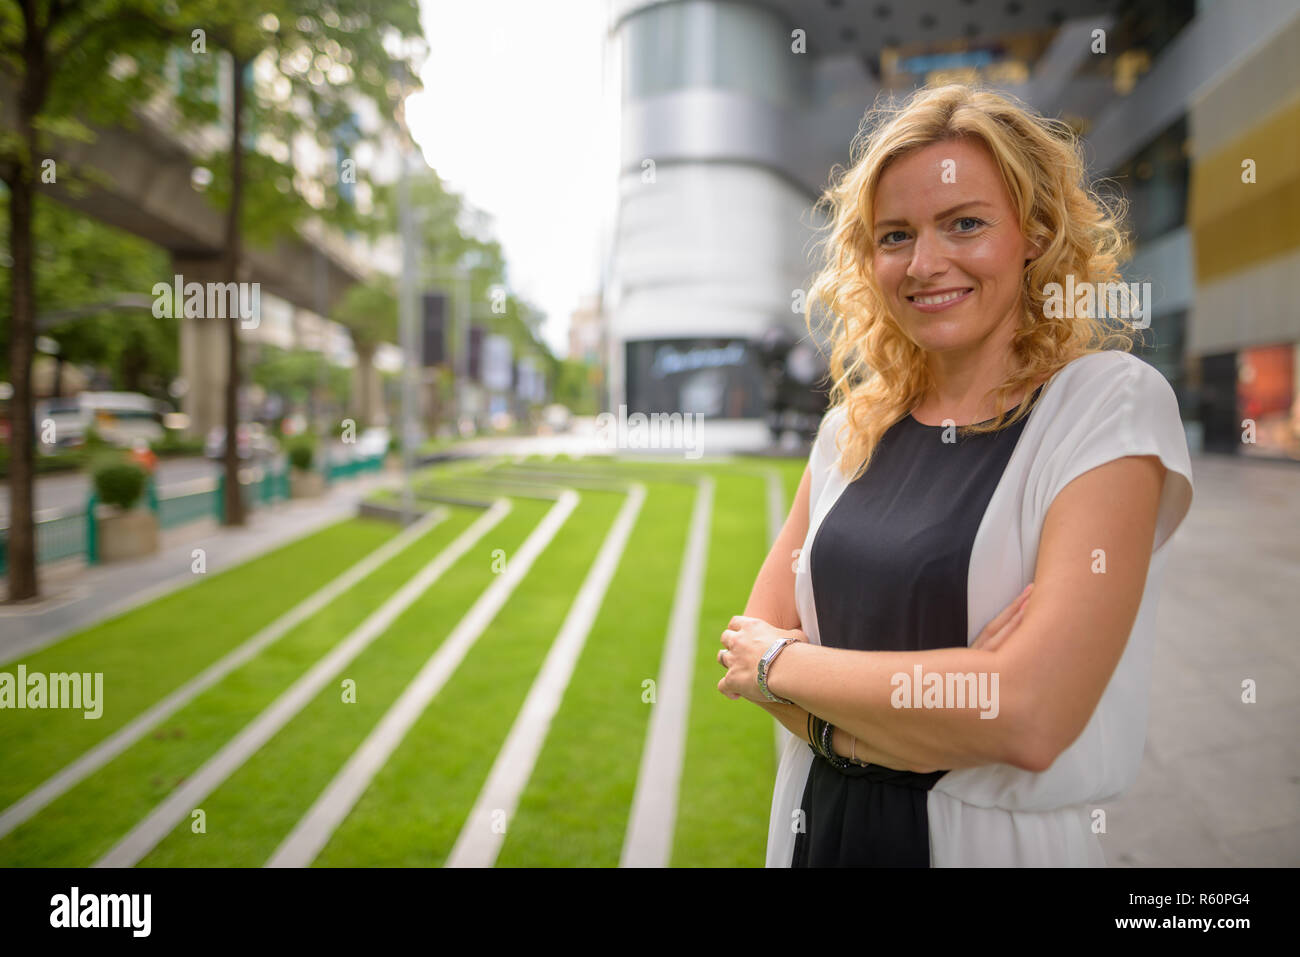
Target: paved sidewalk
{"x":1220,"y":779}
{"x":75,"y":596}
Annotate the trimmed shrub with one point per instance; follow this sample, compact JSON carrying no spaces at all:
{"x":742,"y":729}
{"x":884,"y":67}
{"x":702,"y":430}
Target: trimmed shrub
{"x":302,"y":452}
{"x":119,"y":483}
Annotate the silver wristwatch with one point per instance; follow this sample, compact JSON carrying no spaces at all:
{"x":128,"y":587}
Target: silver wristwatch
{"x":765,"y":663}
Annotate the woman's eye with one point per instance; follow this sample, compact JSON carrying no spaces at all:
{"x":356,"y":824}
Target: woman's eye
{"x":975,"y":224}
{"x":888,"y":240}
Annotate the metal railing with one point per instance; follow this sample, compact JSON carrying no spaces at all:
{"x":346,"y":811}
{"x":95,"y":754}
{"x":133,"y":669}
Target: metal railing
{"x":72,"y":532}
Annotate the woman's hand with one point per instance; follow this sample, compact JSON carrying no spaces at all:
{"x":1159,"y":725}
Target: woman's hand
{"x":997,"y":630}
{"x":745,"y":642}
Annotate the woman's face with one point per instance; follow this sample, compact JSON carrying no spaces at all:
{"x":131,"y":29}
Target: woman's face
{"x":948,"y":252}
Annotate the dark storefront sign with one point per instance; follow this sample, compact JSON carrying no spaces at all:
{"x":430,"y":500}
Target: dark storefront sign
{"x":720,"y":378}
{"x":474,"y":370}
{"x":435,"y":328}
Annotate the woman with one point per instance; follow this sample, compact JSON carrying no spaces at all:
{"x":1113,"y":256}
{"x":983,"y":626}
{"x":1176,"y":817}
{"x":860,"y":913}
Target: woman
{"x":941,"y":709}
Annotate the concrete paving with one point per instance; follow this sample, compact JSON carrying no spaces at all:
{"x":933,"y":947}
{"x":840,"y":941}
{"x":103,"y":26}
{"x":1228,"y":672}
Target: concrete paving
{"x":1220,"y":780}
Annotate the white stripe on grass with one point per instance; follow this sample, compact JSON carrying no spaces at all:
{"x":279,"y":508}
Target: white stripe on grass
{"x":649,"y":839}
{"x":311,"y":834}
{"x":146,"y":835}
{"x":479,"y":842}
{"x":98,"y":756}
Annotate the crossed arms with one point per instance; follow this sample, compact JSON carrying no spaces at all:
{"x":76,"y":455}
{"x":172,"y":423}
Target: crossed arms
{"x":1053,"y":663}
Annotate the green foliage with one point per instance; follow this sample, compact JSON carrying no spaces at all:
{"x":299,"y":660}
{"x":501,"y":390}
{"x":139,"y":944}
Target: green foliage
{"x":369,"y":310}
{"x":295,"y":374}
{"x":575,"y":388}
{"x":94,"y":443}
{"x":322,"y":55}
{"x":174,"y":442}
{"x":56,"y":462}
{"x":449,"y":250}
{"x":302,"y":451}
{"x":78,"y":261}
{"x":119,"y":482}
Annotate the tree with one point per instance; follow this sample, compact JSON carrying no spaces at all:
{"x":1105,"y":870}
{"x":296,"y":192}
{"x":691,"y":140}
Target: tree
{"x":448,"y":250}
{"x":79,"y":263}
{"x":322,"y":57}
{"x":295,"y":375}
{"x":369,"y":311}
{"x":54,"y":63}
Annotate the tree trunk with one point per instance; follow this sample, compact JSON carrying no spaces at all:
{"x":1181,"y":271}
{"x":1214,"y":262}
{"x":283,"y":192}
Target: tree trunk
{"x":234,"y":503}
{"x":21,"y":546}
{"x":365,"y":384}
{"x":22,"y":532}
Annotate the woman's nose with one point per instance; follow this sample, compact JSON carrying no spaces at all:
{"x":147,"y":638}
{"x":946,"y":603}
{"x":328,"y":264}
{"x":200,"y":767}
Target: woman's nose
{"x":927,"y":257}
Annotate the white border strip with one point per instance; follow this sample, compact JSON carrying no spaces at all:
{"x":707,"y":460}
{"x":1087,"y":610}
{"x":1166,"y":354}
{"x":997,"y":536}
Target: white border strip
{"x":146,"y":835}
{"x":313,"y":831}
{"x":98,"y":756}
{"x":649,"y":838}
{"x":479,"y":842}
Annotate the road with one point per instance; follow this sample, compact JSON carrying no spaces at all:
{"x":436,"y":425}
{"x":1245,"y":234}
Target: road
{"x":69,"y":489}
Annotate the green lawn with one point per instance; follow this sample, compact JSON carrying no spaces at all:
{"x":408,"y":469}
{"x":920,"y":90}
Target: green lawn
{"x":149,"y":651}
{"x":574,"y":811}
{"x":414,"y":810}
{"x":251,"y":813}
{"x":575,"y":806}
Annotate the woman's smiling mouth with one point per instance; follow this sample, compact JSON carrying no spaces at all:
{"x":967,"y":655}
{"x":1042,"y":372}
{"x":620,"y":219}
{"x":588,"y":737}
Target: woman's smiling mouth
{"x":941,"y":299}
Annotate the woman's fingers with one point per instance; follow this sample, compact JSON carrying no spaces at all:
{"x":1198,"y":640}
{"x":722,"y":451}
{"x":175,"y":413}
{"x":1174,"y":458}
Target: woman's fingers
{"x":1006,"y":630}
{"x":1003,"y":618}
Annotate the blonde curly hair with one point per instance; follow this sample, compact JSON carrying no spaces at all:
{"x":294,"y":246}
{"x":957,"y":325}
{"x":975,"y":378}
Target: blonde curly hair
{"x":877,"y":373}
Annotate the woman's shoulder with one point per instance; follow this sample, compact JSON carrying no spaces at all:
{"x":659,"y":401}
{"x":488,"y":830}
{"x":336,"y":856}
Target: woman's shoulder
{"x":1107,"y":369}
{"x":1099,"y":383}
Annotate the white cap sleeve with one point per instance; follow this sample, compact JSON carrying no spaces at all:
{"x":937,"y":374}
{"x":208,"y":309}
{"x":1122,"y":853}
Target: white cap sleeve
{"x":1124,"y":407}
{"x":824,"y":456}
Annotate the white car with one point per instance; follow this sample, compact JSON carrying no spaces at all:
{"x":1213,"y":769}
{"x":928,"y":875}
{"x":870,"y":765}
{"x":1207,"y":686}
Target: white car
{"x":372,"y":442}
{"x":120,"y":418}
{"x":557,"y":417}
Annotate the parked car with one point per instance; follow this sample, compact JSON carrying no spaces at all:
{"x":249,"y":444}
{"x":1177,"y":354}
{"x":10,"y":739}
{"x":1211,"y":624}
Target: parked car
{"x":372,"y":442}
{"x":557,"y":417}
{"x":120,"y":418}
{"x":252,"y":441}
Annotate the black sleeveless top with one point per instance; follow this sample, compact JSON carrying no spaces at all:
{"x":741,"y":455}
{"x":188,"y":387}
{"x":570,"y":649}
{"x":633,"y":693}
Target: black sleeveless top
{"x":889,"y":568}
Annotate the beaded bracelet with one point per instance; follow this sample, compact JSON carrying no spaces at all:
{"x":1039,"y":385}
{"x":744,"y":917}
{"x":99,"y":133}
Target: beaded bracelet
{"x":828,"y":734}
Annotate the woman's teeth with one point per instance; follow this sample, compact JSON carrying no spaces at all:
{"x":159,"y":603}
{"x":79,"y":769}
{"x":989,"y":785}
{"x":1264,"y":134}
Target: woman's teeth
{"x":935,"y":300}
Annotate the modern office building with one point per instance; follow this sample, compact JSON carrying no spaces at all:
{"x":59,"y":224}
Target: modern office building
{"x":733,"y":114}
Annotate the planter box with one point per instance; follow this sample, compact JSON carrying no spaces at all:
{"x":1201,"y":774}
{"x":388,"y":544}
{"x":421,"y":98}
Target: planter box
{"x":305,"y":484}
{"x":124,"y":535}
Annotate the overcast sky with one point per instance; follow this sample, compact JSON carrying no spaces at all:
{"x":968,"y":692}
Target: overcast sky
{"x":511,"y":118}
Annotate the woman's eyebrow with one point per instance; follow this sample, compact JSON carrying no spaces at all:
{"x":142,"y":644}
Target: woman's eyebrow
{"x":943,"y":214}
